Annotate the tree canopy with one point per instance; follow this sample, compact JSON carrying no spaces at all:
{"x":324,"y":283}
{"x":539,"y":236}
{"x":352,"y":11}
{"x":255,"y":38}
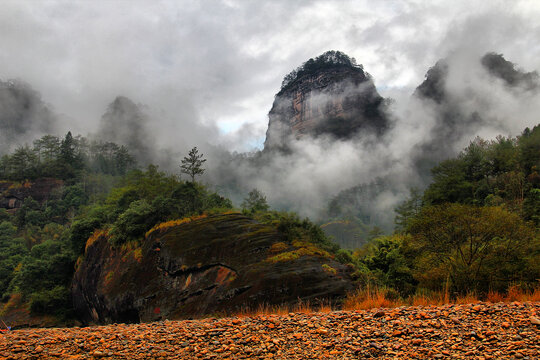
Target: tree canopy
{"x":255,"y":201}
{"x":330,"y":59}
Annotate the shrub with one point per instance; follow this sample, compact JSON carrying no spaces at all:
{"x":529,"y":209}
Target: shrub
{"x":55,"y":301}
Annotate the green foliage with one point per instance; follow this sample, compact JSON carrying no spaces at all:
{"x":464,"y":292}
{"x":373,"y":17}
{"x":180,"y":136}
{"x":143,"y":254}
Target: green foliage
{"x":344,"y":256}
{"x":4,"y":215}
{"x":475,"y":248}
{"x":82,"y":228}
{"x":54,"y":301}
{"x":388,"y":261}
{"x":296,"y":229}
{"x":69,"y":159}
{"x":330,"y":59}
{"x":467,"y":230}
{"x":502,"y":171}
{"x":529,"y":150}
{"x":133,"y":223}
{"x":38,"y":274}
{"x":408,"y":209}
{"x":12,"y":251}
{"x":531,"y":206}
{"x":255,"y":201}
{"x":143,"y":199}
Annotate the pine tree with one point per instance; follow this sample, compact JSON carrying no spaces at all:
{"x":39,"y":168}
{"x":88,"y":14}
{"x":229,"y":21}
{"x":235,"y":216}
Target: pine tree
{"x":192,"y":164}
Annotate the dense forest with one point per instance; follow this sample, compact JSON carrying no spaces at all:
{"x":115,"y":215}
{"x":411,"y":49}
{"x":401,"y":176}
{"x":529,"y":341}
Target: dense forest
{"x":474,"y":229}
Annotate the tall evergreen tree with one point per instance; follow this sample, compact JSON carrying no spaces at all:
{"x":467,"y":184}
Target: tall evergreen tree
{"x":192,"y":164}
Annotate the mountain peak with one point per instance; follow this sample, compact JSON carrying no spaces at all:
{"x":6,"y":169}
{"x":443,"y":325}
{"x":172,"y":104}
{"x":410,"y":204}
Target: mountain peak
{"x":328,"y":95}
{"x":499,"y":67}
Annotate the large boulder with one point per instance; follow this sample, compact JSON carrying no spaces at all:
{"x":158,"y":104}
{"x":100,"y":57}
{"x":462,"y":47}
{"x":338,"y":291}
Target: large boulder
{"x":213,"y":265}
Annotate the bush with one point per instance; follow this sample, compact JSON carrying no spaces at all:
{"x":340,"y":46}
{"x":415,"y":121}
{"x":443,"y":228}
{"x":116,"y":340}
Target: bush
{"x":133,"y":223}
{"x":83,"y":228}
{"x":296,"y":229}
{"x":475,"y":248}
{"x":55,"y":301}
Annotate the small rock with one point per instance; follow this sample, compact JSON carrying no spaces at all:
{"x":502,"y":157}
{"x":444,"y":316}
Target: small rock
{"x":534,"y":320}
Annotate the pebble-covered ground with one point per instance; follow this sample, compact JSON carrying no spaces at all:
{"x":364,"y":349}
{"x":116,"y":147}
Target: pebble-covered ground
{"x":475,"y":331}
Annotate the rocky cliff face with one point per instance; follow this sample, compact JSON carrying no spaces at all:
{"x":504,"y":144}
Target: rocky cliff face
{"x":218,"y":264}
{"x":339,"y":101}
{"x":12,"y":194}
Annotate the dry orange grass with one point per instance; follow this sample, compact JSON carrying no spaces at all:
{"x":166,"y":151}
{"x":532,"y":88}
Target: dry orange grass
{"x":514,"y":293}
{"x":369,"y":298}
{"x":94,"y":237}
{"x":469,"y":298}
{"x":375,"y":297}
{"x":300,"y":307}
{"x":379,"y":297}
{"x":494,"y":297}
{"x":325,"y":307}
{"x":168,"y":224}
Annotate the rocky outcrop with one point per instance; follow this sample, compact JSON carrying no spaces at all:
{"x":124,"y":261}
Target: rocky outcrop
{"x":505,"y":70}
{"x":335,"y":99}
{"x":12,"y":194}
{"x":219,"y":264}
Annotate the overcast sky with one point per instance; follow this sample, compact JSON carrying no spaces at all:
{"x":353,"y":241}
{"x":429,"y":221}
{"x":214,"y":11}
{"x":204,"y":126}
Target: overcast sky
{"x":219,"y":63}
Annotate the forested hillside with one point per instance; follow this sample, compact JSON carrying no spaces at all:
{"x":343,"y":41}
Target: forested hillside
{"x":94,"y":188}
{"x":474,"y":229}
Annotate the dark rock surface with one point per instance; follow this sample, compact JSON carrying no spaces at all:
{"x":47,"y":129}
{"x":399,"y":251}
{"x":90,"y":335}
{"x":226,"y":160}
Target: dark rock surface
{"x":505,"y":70}
{"x":12,"y":194}
{"x":340,"y":102}
{"x":214,"y":265}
